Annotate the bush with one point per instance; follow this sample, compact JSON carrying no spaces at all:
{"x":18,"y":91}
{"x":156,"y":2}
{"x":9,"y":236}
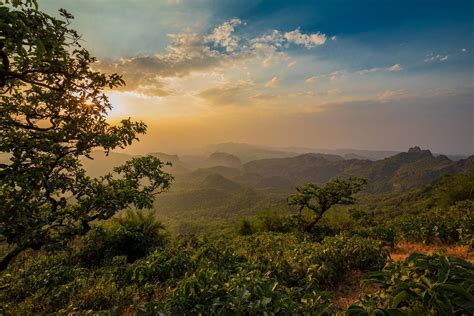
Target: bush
{"x":275,"y":222}
{"x":218,"y":292}
{"x":245,"y":227}
{"x":421,"y":285}
{"x":380,"y":232}
{"x":454,"y":226}
{"x":133,"y":235}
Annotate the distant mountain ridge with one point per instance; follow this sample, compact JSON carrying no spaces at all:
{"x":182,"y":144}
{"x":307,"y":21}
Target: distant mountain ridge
{"x":208,"y":187}
{"x":223,"y":159}
{"x":249,"y":152}
{"x":401,"y":171}
{"x":177,"y":166}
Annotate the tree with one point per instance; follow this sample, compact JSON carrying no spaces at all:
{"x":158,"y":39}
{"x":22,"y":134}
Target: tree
{"x":320,"y":199}
{"x":53,"y":111}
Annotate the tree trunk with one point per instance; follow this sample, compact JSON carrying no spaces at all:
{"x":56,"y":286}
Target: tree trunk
{"x":313,"y":222}
{"x":310,"y":225}
{"x":10,"y":256}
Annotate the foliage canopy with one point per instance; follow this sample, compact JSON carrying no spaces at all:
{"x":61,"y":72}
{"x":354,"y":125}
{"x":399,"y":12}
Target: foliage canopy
{"x":53,"y":111}
{"x":319,"y":199}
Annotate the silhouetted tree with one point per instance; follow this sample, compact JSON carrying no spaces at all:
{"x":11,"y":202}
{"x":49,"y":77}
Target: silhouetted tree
{"x":319,"y":199}
{"x":53,"y":111}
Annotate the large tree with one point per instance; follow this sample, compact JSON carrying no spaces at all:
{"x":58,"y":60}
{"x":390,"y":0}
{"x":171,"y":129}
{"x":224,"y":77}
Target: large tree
{"x":53,"y":111}
{"x":319,"y":199}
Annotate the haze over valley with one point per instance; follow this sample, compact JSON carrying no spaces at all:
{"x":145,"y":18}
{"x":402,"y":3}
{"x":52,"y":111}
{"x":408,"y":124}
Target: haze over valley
{"x":223,"y":182}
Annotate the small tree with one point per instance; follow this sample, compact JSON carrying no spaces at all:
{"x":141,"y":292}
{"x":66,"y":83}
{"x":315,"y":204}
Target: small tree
{"x":320,"y":199}
{"x":53,"y":111}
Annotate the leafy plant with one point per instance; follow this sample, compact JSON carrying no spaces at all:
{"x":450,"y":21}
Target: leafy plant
{"x":421,"y":285}
{"x":133,"y":235}
{"x":454,"y":226}
{"x":245,"y":227}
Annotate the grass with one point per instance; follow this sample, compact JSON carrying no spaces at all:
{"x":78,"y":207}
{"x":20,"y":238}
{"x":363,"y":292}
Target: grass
{"x":402,"y":250}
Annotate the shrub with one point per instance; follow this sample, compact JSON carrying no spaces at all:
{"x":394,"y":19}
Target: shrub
{"x":382,"y":233}
{"x":421,"y":285}
{"x":245,"y":227}
{"x":133,"y":235}
{"x":217,"y":292}
{"x":455,"y":226}
{"x":275,"y":222}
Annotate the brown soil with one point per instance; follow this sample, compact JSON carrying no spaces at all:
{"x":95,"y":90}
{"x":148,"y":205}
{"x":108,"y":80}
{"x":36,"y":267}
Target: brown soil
{"x":403,"y":250}
{"x":347,"y":291}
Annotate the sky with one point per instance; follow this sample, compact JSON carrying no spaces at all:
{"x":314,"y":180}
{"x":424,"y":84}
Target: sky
{"x":321,"y":74}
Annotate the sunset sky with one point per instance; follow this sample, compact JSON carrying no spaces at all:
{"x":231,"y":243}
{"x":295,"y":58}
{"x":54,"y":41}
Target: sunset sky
{"x":320,"y":74}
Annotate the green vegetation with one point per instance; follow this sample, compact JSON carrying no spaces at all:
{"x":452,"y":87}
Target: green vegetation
{"x":54,"y":111}
{"x":76,"y":244}
{"x":421,"y":285}
{"x":268,"y":272}
{"x":320,"y":199}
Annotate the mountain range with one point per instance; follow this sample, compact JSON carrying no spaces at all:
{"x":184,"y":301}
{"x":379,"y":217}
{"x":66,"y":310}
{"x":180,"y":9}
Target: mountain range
{"x":221,"y":186}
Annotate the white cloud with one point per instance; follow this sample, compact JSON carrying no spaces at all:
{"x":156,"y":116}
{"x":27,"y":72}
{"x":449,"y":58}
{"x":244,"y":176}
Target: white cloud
{"x":273,"y":58}
{"x":439,"y":58}
{"x":269,"y":41}
{"x":292,"y":64}
{"x":464,"y":50}
{"x":336,"y":75}
{"x":307,"y":40}
{"x":276,"y":40}
{"x":272,"y":83}
{"x":311,"y":80}
{"x":395,"y":67}
{"x":189,"y":53}
{"x":333,"y":38}
{"x":368,"y":71}
{"x":222,"y":35}
{"x":391,"y":95}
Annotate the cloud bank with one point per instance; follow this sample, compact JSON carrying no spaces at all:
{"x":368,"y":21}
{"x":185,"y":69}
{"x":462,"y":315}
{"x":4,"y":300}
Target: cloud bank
{"x":188,"y":53}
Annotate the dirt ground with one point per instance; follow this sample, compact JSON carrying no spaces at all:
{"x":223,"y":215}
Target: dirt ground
{"x":403,"y":250}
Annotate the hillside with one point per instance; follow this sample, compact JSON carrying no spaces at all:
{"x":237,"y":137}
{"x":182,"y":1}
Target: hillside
{"x":177,"y":166}
{"x":208,"y":196}
{"x":101,"y":164}
{"x":223,"y":159}
{"x":247,"y":152}
{"x":406,"y":170}
{"x":300,"y":169}
{"x":214,"y":193}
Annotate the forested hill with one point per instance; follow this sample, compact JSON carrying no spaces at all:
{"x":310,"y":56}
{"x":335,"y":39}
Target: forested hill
{"x":406,"y":170}
{"x":201,"y":197}
{"x":402,"y":171}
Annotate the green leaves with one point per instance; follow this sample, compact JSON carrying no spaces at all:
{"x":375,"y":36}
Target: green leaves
{"x":424,"y":285}
{"x":321,"y":199}
{"x":54,"y":111}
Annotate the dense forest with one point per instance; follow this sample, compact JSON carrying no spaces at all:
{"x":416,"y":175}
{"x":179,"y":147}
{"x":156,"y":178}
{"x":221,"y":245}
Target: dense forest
{"x":237,"y":230}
